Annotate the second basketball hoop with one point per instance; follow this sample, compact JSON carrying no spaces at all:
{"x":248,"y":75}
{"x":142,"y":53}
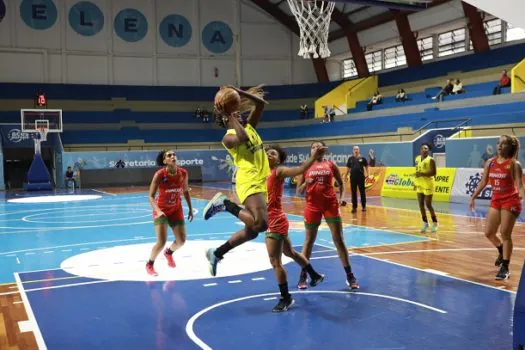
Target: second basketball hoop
{"x":313,"y":18}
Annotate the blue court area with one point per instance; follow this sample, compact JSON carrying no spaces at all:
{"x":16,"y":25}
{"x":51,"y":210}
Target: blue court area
{"x":80,"y":268}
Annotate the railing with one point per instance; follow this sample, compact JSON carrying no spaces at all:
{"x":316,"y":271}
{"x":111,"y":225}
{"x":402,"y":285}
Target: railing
{"x":495,"y":127}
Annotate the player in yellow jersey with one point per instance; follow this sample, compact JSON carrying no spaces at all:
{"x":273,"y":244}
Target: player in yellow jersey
{"x":247,"y":150}
{"x":424,"y":183}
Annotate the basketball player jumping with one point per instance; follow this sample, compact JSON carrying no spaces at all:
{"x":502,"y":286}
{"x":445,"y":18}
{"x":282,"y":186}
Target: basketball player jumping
{"x":504,"y":174}
{"x":170,"y":181}
{"x":246,"y":148}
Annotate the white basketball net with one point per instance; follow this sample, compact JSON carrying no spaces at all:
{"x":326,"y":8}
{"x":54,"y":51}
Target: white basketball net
{"x":313,"y":18}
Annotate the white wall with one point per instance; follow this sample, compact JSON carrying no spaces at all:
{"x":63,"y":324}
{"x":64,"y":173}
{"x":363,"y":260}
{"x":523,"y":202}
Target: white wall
{"x":262,"y":51}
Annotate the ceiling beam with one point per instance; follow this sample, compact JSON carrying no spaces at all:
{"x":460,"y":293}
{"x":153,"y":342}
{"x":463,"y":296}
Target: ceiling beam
{"x":476,"y":28}
{"x":358,"y":54}
{"x":408,"y":39}
{"x":368,"y":23}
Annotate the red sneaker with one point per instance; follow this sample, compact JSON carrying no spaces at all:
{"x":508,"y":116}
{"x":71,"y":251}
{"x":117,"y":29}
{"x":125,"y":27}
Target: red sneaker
{"x":169,"y":258}
{"x":150,"y":270}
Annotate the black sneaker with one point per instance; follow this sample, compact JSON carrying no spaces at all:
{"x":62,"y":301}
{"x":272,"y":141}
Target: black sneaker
{"x":317,"y":280}
{"x":351,"y":282}
{"x":503,"y":272}
{"x":354,"y":210}
{"x":284,"y":304}
{"x":499,"y":260}
{"x":302,"y":281}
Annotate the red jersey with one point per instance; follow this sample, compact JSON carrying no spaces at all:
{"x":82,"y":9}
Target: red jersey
{"x":170,"y":187}
{"x":501,"y":179}
{"x":275,"y":186}
{"x":321,"y":189}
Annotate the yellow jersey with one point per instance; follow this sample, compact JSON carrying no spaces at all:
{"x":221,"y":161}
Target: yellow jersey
{"x":250,"y":158}
{"x":423,"y":166}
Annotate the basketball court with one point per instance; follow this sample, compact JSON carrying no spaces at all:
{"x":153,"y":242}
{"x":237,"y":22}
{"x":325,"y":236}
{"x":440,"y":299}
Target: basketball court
{"x":77,"y":268}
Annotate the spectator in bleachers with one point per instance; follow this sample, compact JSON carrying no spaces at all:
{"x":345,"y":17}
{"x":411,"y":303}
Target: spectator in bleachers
{"x":401,"y":96}
{"x":205,"y":115}
{"x":375,"y":100}
{"x":329,"y":114}
{"x":304,"y":112}
{"x":504,"y":81}
{"x":198,"y":113}
{"x":458,"y":87}
{"x":447,"y":90}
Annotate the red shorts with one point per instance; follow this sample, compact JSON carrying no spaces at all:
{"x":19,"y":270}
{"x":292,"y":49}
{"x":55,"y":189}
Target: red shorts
{"x":512,"y":204}
{"x":313,"y":215}
{"x":173,"y":216}
{"x":278,"y":223}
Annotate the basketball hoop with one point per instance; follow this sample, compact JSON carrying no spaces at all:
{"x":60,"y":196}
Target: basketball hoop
{"x":313,"y":18}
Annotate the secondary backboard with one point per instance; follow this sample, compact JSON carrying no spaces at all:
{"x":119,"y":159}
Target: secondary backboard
{"x":34,"y":119}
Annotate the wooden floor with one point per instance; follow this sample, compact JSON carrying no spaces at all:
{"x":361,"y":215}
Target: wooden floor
{"x":459,"y":250}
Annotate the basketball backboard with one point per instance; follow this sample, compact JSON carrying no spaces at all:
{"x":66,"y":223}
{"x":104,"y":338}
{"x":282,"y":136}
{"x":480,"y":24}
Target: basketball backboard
{"x":34,"y":119}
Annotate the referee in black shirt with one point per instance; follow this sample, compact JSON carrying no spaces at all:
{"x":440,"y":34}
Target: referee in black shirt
{"x":358,"y":171}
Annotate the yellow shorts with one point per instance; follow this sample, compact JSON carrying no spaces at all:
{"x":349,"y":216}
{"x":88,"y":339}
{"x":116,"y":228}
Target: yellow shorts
{"x":425,"y":190}
{"x":247,"y":189}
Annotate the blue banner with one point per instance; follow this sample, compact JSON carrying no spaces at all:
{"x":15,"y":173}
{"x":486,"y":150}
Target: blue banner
{"x":13,"y":137}
{"x":377,"y":154}
{"x":474,"y":152}
{"x":217,"y":165}
{"x":435,"y":138}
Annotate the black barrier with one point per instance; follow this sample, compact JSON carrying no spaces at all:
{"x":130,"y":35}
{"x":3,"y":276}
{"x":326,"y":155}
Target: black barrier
{"x":519,"y":314}
{"x":112,"y":177}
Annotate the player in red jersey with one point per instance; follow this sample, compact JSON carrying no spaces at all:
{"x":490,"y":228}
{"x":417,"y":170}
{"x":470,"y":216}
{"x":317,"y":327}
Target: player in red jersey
{"x":170,"y":181}
{"x":504,"y":174}
{"x":277,"y":241}
{"x":321,"y":201}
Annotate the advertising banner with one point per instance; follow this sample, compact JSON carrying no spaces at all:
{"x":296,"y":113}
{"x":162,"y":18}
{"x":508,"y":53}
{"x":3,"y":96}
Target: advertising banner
{"x":216,"y":165}
{"x":465,"y":183}
{"x":373,"y":183}
{"x":435,"y":138}
{"x":399,"y":183}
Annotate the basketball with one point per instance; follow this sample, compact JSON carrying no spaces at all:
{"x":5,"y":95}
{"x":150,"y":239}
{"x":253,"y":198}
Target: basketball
{"x":227,"y":101}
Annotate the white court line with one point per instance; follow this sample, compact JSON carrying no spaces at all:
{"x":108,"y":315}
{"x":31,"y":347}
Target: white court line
{"x":68,"y":285}
{"x":209,"y":284}
{"x":258,"y":279}
{"x":31,"y":316}
{"x":203,"y":345}
{"x":104,"y":192}
{"x":102,"y":242}
{"x":235,"y":281}
{"x":365,"y":255}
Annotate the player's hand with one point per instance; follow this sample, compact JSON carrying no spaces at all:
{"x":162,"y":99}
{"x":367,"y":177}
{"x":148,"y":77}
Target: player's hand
{"x":190,"y":215}
{"x":159,"y":213}
{"x":309,"y":180}
{"x":319,"y":151}
{"x":472,"y":204}
{"x":418,"y":174}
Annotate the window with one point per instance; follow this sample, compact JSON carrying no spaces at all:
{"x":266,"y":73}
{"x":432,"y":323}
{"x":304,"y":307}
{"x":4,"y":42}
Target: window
{"x":494,"y":31}
{"x":426,"y":49}
{"x":373,"y":60}
{"x":395,"y":57}
{"x":452,"y":42}
{"x":349,"y":69}
{"x":514,"y":33}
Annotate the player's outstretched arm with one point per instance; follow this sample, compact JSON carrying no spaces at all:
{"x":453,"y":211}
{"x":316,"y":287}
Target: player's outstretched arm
{"x":187,"y":197}
{"x":482,"y":184}
{"x":284,"y":172}
{"x":255,"y":96}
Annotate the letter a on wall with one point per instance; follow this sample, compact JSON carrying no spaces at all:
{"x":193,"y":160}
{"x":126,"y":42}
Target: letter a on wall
{"x":217,"y":37}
